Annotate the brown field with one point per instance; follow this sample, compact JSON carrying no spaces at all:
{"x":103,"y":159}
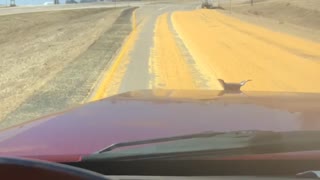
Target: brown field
{"x":36,"y":47}
{"x":296,"y":17}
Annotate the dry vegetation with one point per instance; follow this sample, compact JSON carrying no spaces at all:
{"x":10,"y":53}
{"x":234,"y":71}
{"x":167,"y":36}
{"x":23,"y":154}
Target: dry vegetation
{"x":35,"y":47}
{"x":296,"y":17}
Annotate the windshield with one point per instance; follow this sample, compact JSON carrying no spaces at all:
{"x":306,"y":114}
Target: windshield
{"x":59,"y":54}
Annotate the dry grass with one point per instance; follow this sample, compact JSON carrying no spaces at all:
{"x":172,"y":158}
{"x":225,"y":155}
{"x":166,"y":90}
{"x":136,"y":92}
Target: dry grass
{"x":296,"y":17}
{"x":35,"y":47}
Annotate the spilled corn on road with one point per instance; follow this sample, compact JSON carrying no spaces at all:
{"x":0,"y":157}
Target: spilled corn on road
{"x":181,"y":47}
{"x":233,"y":50}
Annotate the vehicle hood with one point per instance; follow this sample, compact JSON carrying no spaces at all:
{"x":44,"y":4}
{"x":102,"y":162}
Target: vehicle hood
{"x":152,"y":114}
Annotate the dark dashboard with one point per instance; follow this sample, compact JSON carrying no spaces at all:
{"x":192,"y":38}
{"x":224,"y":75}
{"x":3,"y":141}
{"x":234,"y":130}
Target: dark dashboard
{"x":19,"y":168}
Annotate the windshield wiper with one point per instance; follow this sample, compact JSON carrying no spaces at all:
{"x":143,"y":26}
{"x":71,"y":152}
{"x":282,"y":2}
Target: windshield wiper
{"x":213,"y":144}
{"x":173,"y":138}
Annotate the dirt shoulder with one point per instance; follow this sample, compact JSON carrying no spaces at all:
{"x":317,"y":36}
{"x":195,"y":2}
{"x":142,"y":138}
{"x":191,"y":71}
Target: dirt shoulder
{"x":50,"y":60}
{"x":296,"y":17}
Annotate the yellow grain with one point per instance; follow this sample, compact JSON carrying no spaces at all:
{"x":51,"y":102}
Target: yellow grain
{"x":233,"y":50}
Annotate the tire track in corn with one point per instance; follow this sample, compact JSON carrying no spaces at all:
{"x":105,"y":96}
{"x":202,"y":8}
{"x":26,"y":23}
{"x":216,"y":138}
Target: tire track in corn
{"x":170,"y":65}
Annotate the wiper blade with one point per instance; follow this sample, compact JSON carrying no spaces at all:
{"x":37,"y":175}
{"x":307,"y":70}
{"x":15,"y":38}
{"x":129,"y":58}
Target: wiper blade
{"x":173,"y":138}
{"x":213,"y":144}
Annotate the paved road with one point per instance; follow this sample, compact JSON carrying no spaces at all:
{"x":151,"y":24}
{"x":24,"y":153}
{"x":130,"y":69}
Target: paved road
{"x":136,"y":70}
{"x":233,"y":50}
{"x":177,"y":46}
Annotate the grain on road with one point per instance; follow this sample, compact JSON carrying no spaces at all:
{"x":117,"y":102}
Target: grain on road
{"x":167,"y":63}
{"x":234,"y":50}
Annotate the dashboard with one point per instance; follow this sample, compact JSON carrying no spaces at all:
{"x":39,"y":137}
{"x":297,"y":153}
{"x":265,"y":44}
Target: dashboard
{"x":20,"y":168}
{"x":200,"y":178}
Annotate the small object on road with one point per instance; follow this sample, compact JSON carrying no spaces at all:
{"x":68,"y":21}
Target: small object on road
{"x":232,"y":87}
{"x":207,"y":4}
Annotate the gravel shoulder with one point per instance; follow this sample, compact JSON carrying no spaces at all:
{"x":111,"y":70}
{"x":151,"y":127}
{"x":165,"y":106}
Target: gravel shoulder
{"x":296,"y":17}
{"x":46,"y":63}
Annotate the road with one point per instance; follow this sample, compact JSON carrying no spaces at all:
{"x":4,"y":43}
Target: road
{"x":176,"y":46}
{"x":133,"y":69}
{"x":235,"y":50}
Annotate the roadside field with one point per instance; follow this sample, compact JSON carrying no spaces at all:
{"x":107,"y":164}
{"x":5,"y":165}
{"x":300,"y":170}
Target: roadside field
{"x":50,"y":60}
{"x":296,"y":17}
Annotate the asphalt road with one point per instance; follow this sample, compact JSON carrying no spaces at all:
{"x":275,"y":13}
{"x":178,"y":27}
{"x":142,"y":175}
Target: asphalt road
{"x":134,"y":69}
{"x":178,"y":46}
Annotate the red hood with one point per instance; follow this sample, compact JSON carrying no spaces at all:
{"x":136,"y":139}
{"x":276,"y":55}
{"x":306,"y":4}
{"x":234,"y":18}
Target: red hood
{"x":154,"y":114}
